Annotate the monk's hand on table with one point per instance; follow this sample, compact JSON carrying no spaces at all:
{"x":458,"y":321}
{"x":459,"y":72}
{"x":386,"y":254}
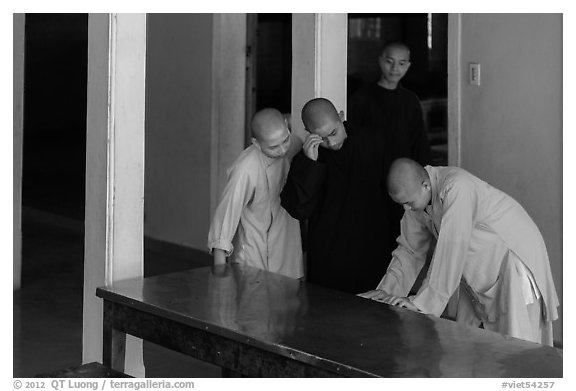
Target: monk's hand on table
{"x":311,"y":145}
{"x":220,"y":270}
{"x":377,"y":294}
{"x":400,"y":302}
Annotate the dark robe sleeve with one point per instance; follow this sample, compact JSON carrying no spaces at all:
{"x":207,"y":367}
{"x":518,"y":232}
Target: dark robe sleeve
{"x":303,"y":190}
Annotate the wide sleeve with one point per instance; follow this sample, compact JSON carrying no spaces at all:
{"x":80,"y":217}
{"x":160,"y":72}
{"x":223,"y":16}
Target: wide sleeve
{"x":235,"y":197}
{"x":303,"y":190}
{"x":447,"y":265}
{"x":409,"y":257}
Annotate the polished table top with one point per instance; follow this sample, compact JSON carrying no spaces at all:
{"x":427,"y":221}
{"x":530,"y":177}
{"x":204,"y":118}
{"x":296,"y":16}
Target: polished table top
{"x":330,"y":329}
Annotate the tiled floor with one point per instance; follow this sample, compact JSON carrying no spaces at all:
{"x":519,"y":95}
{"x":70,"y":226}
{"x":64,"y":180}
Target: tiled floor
{"x":48,"y":307}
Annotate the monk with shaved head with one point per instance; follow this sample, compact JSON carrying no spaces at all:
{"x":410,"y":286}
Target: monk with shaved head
{"x":489,"y":255}
{"x":270,"y":132}
{"x":337,"y":185}
{"x":385,"y":105}
{"x":249,"y":213}
{"x":409,"y":184}
{"x":325,"y":125}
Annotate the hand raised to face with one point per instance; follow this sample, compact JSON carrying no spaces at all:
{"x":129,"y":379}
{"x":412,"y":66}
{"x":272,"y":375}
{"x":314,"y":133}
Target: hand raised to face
{"x":311,"y":145}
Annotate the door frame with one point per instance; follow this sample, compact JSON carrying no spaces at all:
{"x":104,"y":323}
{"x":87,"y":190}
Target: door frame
{"x":454,"y":89}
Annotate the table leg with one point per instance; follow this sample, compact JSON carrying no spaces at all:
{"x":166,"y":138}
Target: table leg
{"x":114,"y":341}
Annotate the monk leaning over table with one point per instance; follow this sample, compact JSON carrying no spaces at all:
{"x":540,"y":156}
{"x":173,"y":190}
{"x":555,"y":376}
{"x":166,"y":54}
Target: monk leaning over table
{"x":488,"y":251}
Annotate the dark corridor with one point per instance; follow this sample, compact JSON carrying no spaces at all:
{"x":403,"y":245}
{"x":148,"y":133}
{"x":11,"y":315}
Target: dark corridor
{"x":54,"y":159}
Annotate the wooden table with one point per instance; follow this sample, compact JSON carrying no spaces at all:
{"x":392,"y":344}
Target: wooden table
{"x":262,"y":324}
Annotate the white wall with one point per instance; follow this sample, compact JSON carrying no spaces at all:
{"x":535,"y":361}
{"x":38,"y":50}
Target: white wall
{"x":178,"y":102}
{"x":228,"y":100}
{"x":511,"y":132}
{"x":195,"y":91}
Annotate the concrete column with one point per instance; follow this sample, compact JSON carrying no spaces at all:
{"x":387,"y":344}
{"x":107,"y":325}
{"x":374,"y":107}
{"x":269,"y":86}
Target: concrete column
{"x":319,"y":50}
{"x":228,"y":98}
{"x":114,"y":169}
{"x":18,"y":133}
{"x":454,"y":89}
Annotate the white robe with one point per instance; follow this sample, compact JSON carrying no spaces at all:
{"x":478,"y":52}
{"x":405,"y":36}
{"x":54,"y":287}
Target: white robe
{"x":485,"y":238}
{"x":250,"y":215}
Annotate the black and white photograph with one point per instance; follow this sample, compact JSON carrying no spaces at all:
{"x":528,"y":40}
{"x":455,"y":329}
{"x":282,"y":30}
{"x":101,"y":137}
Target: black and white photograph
{"x":203,"y":195}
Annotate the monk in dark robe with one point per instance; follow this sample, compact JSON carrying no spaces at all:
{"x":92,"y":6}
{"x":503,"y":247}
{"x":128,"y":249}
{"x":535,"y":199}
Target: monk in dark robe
{"x":388,"y":108}
{"x":337,"y":184}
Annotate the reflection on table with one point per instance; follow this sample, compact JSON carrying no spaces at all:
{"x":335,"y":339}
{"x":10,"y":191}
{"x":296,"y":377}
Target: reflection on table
{"x":333,"y":331}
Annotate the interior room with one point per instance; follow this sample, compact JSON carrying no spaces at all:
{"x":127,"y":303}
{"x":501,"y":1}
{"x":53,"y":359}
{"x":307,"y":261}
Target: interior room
{"x":122,"y":143}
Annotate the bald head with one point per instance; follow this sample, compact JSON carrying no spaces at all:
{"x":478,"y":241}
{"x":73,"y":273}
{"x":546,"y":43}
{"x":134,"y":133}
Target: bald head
{"x":266,"y":123}
{"x":405,"y":177}
{"x":396,"y":45}
{"x":270,"y":132}
{"x":317,"y":112}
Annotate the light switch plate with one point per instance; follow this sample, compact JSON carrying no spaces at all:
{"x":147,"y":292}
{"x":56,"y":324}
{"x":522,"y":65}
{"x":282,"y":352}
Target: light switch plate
{"x":474,"y":74}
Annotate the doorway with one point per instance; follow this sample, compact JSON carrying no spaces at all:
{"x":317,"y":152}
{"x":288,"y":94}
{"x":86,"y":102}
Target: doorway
{"x":48,"y":306}
{"x":268,"y":65}
{"x":54,"y":150}
{"x":427,"y":37}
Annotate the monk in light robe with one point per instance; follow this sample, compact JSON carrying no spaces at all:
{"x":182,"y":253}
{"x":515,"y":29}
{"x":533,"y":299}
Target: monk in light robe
{"x":249,"y":225}
{"x":489,"y":253}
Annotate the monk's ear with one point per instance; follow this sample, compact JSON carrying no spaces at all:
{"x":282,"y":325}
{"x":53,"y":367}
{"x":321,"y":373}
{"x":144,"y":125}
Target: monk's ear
{"x":256,"y":143}
{"x":341,"y":115}
{"x":288,"y":120}
{"x":426,"y":185}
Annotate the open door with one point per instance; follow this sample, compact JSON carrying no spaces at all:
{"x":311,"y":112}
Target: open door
{"x":427,"y":37}
{"x":268,"y":64}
